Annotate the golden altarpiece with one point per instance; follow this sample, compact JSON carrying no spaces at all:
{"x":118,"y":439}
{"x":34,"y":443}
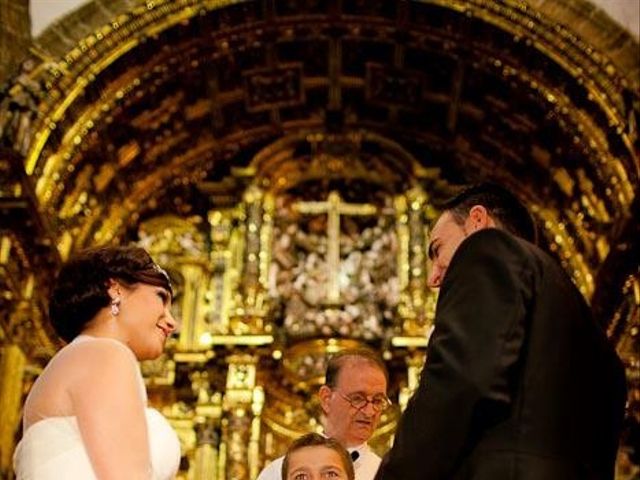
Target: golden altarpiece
{"x":320,"y":253}
{"x":283,"y":161}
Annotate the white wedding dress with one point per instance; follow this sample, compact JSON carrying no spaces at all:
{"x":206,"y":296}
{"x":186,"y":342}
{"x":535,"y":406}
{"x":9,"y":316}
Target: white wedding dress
{"x":52,"y":448}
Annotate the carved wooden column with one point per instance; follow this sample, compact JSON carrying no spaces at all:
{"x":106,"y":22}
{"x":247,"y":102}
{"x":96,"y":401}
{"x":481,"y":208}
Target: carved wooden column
{"x":417,"y":302}
{"x":206,"y":457}
{"x":192,"y":318}
{"x":415,"y":362}
{"x":254,"y":443}
{"x":242,"y":406}
{"x":253,"y":223}
{"x":226,"y":262}
{"x":251,"y":302}
{"x":12,"y":367}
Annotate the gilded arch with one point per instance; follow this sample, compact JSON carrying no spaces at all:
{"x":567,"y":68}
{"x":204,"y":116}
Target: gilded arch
{"x":132,"y":109}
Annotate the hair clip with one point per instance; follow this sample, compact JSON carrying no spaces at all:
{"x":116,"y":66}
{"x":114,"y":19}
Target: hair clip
{"x":162,"y":271}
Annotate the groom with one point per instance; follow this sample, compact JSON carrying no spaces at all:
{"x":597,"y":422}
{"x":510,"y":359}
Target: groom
{"x":520,"y":382}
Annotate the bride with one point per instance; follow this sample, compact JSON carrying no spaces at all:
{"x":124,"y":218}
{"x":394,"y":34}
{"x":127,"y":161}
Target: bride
{"x":86,"y":415}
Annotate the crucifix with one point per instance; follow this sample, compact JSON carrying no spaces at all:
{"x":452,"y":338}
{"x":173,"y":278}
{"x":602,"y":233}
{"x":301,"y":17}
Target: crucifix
{"x":334,"y":207}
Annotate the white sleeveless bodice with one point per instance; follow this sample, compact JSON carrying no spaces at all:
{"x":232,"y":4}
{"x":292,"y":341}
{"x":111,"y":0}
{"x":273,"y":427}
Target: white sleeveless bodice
{"x":52,"y":448}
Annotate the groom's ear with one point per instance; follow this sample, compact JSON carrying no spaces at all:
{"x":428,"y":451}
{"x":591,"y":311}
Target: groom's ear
{"x":479,"y":219}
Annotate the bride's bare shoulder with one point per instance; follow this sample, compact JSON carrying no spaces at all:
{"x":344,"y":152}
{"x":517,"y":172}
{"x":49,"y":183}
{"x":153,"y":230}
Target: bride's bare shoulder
{"x":96,"y":346}
{"x":86,"y":354}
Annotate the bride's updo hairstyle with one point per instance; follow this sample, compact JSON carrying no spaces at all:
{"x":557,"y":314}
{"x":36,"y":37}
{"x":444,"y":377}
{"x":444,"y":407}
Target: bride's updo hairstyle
{"x":81,"y":288}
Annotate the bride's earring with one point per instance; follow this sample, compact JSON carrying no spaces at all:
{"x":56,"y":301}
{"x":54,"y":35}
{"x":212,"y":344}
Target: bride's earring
{"x":115,"y":306}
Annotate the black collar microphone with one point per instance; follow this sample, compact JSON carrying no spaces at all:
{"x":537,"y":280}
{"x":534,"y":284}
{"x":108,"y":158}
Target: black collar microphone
{"x":355,"y":455}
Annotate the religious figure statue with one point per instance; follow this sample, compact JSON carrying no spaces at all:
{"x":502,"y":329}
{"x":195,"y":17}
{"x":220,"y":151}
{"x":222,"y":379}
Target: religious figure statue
{"x":331,"y":274}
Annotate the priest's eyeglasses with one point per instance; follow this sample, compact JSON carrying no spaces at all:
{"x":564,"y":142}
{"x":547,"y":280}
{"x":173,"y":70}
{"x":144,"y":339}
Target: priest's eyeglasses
{"x":359,"y":401}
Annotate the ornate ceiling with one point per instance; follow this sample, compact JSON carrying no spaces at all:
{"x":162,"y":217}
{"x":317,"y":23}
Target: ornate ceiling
{"x":138,"y":109}
{"x":143,"y":111}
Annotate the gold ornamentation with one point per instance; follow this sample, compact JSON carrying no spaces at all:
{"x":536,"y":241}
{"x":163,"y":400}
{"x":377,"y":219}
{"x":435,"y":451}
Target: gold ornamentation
{"x":334,"y":207}
{"x":12,"y":367}
{"x":58,"y":111}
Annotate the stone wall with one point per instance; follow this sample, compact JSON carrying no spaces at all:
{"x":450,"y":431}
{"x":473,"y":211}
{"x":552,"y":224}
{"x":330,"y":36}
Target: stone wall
{"x":15,"y":36}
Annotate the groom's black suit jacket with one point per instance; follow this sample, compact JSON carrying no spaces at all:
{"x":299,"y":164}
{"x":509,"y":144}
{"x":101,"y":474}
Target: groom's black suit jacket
{"x":519,"y":382}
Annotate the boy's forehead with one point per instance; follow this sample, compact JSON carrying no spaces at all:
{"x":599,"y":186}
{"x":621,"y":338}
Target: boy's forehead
{"x":318,"y":453}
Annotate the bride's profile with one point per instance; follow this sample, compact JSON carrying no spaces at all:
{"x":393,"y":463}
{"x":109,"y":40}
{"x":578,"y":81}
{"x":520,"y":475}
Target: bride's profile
{"x":86,"y":415}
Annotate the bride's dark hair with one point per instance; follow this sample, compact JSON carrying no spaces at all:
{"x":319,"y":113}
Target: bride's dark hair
{"x":81,"y":288}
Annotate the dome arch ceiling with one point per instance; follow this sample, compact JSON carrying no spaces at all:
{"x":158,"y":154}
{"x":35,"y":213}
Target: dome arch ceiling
{"x":169,"y":95}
